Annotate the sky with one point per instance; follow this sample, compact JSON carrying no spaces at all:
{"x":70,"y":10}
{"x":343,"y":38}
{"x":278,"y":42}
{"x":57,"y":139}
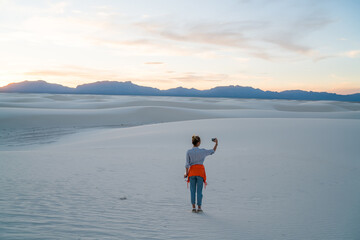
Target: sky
{"x":268,"y":44}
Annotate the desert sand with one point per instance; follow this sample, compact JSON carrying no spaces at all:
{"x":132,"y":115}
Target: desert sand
{"x":111,"y":167}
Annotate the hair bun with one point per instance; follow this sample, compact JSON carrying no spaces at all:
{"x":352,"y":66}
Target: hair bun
{"x":195,"y":140}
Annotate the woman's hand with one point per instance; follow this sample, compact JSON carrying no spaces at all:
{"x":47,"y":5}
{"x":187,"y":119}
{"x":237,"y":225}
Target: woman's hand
{"x":186,"y":172}
{"x":216,"y":144}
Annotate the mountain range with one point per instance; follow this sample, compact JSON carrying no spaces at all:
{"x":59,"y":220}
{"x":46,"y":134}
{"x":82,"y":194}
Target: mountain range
{"x":129,"y":88}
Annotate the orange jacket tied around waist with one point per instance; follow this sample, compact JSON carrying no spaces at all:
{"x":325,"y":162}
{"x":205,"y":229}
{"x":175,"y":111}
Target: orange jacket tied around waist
{"x":197,"y":170}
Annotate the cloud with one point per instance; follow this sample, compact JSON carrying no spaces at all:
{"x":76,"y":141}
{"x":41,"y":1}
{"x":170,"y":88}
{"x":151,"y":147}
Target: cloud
{"x":117,"y":43}
{"x":352,"y":54}
{"x":154,"y":63}
{"x":319,"y":57}
{"x":342,"y":84}
{"x":229,"y":34}
{"x":29,"y":10}
{"x":150,"y":47}
{"x":191,"y":77}
{"x":75,"y":72}
{"x":263,"y":39}
{"x":242,"y":60}
{"x":290,"y":35}
{"x":58,"y":7}
{"x":266,"y":39}
{"x":207,"y":40}
{"x":57,"y":23}
{"x":71,"y":73}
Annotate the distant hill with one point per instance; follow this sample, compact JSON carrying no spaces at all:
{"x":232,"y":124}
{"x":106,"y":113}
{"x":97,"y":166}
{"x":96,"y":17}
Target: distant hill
{"x":128,"y":88}
{"x":116,"y":88}
{"x":238,"y":91}
{"x":35,"y":87}
{"x":180,"y":91}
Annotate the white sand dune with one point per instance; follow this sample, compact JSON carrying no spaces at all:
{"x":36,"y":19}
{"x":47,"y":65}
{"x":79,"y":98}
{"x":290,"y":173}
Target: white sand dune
{"x":283,"y":169}
{"x":19,"y":111}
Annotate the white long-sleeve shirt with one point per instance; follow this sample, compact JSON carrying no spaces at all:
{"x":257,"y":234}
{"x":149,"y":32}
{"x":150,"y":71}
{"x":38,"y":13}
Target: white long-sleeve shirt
{"x":197,"y":156}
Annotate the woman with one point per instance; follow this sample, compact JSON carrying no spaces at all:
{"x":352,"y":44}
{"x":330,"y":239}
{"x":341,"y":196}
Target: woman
{"x":195,"y":170}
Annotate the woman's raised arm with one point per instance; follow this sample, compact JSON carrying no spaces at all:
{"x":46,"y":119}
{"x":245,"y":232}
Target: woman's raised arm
{"x":216,"y":144}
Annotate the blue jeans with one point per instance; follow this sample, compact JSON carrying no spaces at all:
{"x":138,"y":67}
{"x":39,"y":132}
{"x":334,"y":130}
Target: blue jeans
{"x":196,"y":185}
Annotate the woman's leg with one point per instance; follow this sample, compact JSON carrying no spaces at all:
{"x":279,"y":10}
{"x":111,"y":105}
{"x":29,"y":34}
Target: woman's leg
{"x":193,"y":189}
{"x":199,"y":188}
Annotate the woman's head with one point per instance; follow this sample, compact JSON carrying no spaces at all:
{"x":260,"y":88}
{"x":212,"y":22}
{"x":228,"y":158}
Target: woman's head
{"x":196,"y":140}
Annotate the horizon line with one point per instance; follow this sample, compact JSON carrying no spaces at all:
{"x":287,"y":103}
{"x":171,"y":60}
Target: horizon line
{"x":278,"y":91}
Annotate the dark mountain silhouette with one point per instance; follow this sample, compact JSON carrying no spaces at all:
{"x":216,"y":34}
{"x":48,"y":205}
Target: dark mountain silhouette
{"x":116,"y":88}
{"x":35,"y":87}
{"x":304,"y":95}
{"x":308,"y":95}
{"x":236,"y":91}
{"x":180,"y":91}
{"x":128,"y":88}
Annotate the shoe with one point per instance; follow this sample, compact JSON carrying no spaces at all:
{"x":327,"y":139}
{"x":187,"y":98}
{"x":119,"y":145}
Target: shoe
{"x":199,"y":210}
{"x":194,"y":210}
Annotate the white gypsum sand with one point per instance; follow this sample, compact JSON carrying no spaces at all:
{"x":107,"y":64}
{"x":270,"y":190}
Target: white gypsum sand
{"x":283,"y":169}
